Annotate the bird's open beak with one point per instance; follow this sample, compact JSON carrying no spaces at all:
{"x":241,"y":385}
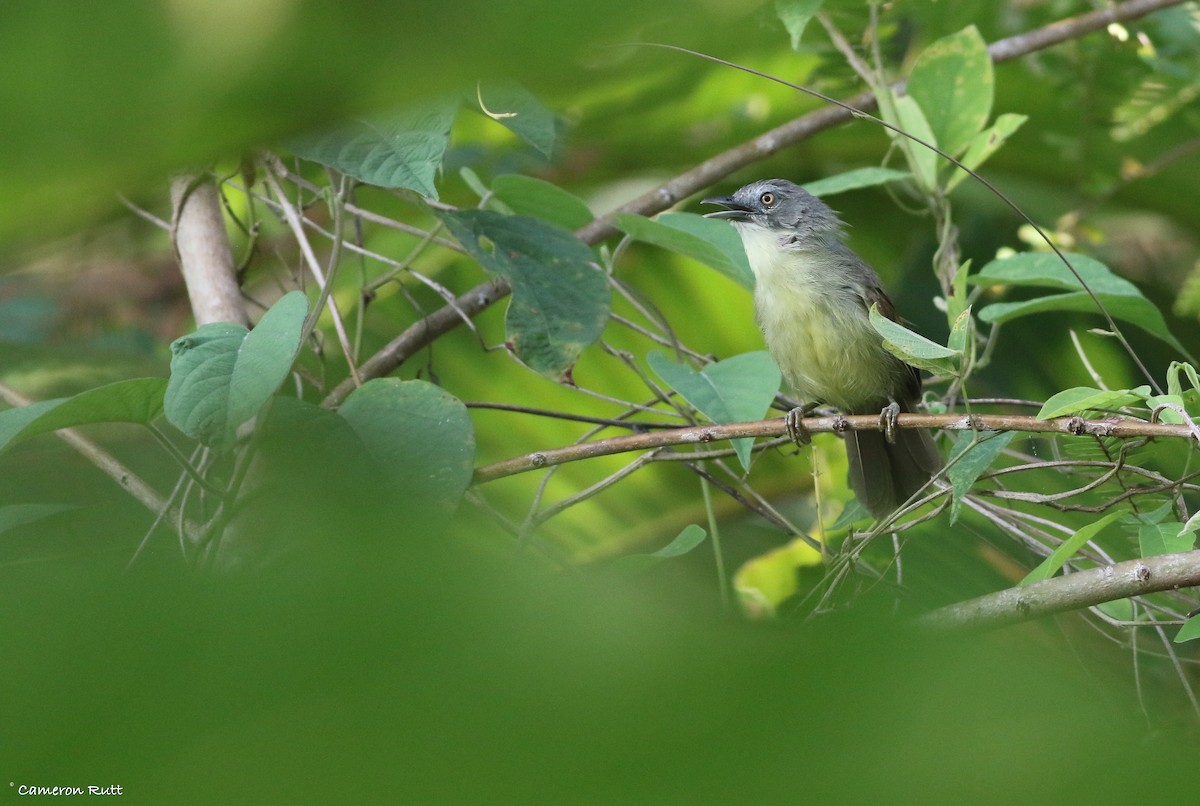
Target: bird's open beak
{"x":733,"y":210}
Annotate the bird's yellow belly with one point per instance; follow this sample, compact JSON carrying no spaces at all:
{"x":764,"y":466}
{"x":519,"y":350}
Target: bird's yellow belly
{"x":825,"y":347}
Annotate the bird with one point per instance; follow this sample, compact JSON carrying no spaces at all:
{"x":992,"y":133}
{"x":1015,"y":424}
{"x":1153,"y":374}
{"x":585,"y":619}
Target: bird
{"x":812,"y":299}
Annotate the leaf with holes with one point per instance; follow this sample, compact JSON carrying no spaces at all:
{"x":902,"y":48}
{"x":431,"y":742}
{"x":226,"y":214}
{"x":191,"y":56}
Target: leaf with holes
{"x":560,"y":298}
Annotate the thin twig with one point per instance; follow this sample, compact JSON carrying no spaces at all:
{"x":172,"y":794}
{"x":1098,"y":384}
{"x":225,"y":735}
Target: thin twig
{"x":104,"y":461}
{"x":292,"y":217}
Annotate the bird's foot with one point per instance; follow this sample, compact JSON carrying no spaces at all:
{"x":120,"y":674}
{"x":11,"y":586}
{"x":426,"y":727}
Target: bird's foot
{"x":794,"y":422}
{"x":887,"y":421}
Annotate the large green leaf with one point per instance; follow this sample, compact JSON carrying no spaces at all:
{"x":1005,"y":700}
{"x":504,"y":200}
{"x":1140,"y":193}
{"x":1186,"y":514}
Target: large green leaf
{"x":401,"y":151}
{"x":419,"y":436}
{"x":1084,"y":398}
{"x":854,"y":180}
{"x":139,"y":400}
{"x":713,"y":243}
{"x":520,"y":111}
{"x":1120,"y":297}
{"x":526,"y":195}
{"x":560,"y":298}
{"x":952,"y":82}
{"x":735,"y":390}
{"x":1164,"y":538}
{"x":914,"y":348}
{"x":222,"y":374}
{"x":924,"y":162}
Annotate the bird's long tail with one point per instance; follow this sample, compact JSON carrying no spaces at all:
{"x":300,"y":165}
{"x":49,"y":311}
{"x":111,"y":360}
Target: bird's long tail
{"x":883,"y":474}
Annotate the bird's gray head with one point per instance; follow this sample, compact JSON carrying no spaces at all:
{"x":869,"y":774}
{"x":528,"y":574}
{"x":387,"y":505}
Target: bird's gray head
{"x":776,"y":204}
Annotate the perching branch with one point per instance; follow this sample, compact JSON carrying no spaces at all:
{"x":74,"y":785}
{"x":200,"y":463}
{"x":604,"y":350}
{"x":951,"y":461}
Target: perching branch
{"x":1119,"y":427}
{"x":1072,"y":591}
{"x":425,"y":331}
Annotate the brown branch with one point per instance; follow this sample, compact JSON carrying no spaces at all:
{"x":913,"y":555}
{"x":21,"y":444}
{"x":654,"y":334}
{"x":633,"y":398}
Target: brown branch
{"x":1073,"y":591}
{"x":425,"y":331}
{"x":1119,"y":427}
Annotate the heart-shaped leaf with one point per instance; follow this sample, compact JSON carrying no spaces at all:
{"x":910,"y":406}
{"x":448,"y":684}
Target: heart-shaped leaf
{"x":735,"y":390}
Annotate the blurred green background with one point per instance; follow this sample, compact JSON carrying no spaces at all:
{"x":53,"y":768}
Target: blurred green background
{"x":453,"y":672}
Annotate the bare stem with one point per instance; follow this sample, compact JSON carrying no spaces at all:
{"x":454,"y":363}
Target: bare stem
{"x":1117,"y":427}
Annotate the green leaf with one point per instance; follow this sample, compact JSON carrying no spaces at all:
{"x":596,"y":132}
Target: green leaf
{"x":1164,"y":538}
{"x":972,"y":454}
{"x":1174,"y":385}
{"x":1163,"y":403}
{"x":708,"y":241}
{"x":960,"y":332}
{"x":534,"y":197}
{"x":953,"y":84}
{"x":984,"y":144}
{"x":735,"y":390}
{"x":1193,"y":523}
{"x":1121,"y":297}
{"x":266,"y":356}
{"x":1049,"y":567}
{"x":474,"y":182}
{"x":795,"y":15}
{"x":691,"y":536}
{"x":402,"y":151}
{"x":1083,"y":398}
{"x":139,"y":400}
{"x":1119,"y":609}
{"x":1189,"y":631}
{"x":518,"y":110}
{"x":16,"y":515}
{"x":913,"y":347}
{"x":560,"y":299}
{"x":923,"y":161}
{"x":420,"y":437}
{"x":1159,"y":514}
{"x":853,"y":180}
{"x":957,"y":303}
{"x":222,"y":374}
{"x":768,"y":580}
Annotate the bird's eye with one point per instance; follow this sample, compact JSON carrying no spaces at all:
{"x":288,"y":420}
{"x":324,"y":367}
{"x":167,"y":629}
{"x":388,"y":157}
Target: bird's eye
{"x":767,"y":199}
